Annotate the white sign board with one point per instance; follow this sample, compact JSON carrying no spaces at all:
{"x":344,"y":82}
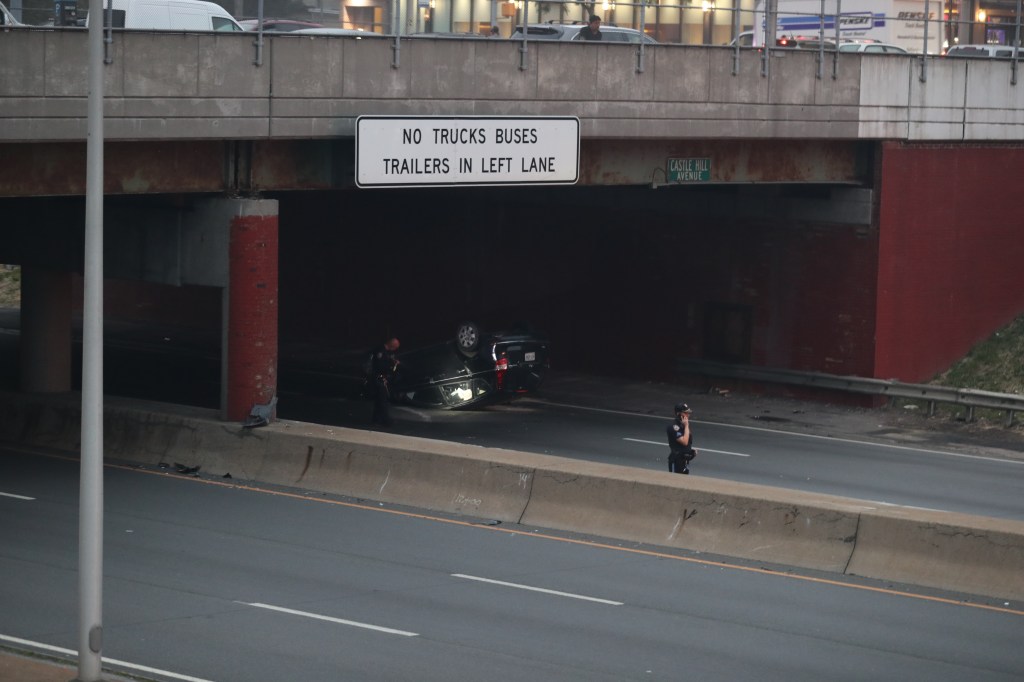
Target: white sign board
{"x":424,"y":151}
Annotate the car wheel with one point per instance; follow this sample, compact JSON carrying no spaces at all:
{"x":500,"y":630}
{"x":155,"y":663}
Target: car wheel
{"x":467,"y":338}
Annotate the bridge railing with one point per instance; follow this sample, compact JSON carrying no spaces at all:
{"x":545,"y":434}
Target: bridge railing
{"x":168,"y":85}
{"x":970,"y":399}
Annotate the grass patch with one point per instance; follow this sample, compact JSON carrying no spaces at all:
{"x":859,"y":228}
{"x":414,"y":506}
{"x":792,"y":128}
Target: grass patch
{"x":996,"y":364}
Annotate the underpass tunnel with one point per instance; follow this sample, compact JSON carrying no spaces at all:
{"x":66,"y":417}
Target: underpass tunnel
{"x":624,"y":280}
{"x":221,"y":245}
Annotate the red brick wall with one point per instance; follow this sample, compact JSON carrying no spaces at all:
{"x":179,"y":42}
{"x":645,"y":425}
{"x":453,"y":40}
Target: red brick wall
{"x":810,"y":288}
{"x":951,"y":247}
{"x":252,"y":314}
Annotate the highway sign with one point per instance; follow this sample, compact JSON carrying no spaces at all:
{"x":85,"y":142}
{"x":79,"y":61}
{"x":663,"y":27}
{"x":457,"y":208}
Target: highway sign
{"x":689,"y":170}
{"x":422,"y":151}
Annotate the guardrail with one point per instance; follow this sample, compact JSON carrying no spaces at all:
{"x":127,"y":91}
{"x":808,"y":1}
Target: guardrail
{"x":967,"y":397}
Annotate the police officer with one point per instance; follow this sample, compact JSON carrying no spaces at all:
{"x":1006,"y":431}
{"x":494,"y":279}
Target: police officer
{"x":383,"y":365}
{"x":680,"y":441}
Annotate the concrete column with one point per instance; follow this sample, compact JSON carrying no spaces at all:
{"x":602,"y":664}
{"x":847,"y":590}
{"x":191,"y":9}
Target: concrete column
{"x":45,"y":330}
{"x":250,"y":347}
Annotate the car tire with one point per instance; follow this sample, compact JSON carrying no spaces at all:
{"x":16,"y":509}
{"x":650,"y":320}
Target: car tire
{"x":467,"y":338}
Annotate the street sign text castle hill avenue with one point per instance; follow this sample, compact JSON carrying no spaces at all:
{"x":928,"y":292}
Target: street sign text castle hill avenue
{"x":423,"y":151}
{"x":689,"y":170}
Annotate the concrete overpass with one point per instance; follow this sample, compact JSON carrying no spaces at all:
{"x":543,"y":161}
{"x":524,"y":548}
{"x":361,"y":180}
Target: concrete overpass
{"x":904,"y":149}
{"x":166,"y":86}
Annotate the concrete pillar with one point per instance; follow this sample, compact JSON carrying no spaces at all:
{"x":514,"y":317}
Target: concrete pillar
{"x":45,"y":330}
{"x":249,"y":349}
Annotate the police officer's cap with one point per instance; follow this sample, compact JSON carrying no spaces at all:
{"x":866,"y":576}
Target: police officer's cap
{"x":683,"y":407}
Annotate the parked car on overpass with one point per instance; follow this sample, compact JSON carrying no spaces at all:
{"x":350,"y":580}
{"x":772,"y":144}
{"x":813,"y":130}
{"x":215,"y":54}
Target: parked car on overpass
{"x":327,"y":31}
{"x":804,"y":42}
{"x":277,"y":25}
{"x":872,"y":48}
{"x":473,"y":369}
{"x":984,"y":51}
{"x":744,"y":39}
{"x":554,"y":31}
{"x":446,"y":35}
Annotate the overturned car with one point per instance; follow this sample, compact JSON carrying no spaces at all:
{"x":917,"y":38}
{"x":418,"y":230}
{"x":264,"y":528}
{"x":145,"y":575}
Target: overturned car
{"x":471,"y":370}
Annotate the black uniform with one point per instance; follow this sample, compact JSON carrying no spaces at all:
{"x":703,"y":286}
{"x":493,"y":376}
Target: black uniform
{"x":586,"y":33}
{"x":382,"y":370}
{"x":679,"y":455}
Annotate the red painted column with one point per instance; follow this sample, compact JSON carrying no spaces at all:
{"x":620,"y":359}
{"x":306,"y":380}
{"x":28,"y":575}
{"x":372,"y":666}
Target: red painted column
{"x":250,"y":338}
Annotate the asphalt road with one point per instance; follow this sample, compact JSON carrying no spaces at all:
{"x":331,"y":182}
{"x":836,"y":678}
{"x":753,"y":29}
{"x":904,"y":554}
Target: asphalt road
{"x":211,"y":581}
{"x":851,"y":466}
{"x":611,"y":422}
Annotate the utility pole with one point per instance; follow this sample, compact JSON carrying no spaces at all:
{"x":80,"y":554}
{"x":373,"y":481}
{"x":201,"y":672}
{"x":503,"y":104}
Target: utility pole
{"x":90,"y":503}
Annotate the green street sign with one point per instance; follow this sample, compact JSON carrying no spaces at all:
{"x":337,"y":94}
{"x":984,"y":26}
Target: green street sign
{"x":689,"y":170}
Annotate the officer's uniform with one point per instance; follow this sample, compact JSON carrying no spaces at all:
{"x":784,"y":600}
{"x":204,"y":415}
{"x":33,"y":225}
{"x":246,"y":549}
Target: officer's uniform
{"x":382,"y":370}
{"x":679,"y":455}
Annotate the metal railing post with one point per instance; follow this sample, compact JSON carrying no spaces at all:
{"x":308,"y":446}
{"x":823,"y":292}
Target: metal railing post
{"x":1016,"y":48}
{"x":396,"y":24}
{"x":640,"y":49}
{"x":523,"y":48}
{"x":924,"y":51}
{"x":771,"y":11}
{"x":736,"y":39}
{"x":821,"y":42}
{"x":836,"y":23}
{"x":108,"y":39}
{"x":258,"y":61}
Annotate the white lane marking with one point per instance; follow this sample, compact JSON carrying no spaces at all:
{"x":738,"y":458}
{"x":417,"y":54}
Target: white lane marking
{"x":331,"y":619}
{"x":833,"y":439}
{"x":903,"y":506}
{"x":658,"y":442}
{"x":112,"y":661}
{"x":536,"y":589}
{"x":17,"y":497}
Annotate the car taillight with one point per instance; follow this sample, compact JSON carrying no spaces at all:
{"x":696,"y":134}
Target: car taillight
{"x":500,"y":367}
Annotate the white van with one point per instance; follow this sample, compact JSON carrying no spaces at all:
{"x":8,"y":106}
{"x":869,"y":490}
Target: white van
{"x":171,"y":15}
{"x":6,"y":18}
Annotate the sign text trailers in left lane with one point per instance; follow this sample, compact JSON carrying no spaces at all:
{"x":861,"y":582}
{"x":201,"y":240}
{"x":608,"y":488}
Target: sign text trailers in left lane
{"x":426,"y":151}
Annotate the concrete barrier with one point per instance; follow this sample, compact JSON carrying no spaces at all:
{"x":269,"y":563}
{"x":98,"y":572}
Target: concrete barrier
{"x":948,"y":551}
{"x":385,"y":467}
{"x":961,"y":552}
{"x":707,"y":515}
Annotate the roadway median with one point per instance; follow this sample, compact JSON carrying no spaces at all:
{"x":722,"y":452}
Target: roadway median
{"x":956,"y":552}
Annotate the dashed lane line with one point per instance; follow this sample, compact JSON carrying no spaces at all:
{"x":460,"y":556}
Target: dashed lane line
{"x":330,"y":619}
{"x":795,"y":434}
{"x":718,"y":452}
{"x":530,"y":588}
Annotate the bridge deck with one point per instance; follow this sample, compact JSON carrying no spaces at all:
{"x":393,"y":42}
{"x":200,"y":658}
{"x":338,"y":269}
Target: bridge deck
{"x":171,"y":86}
